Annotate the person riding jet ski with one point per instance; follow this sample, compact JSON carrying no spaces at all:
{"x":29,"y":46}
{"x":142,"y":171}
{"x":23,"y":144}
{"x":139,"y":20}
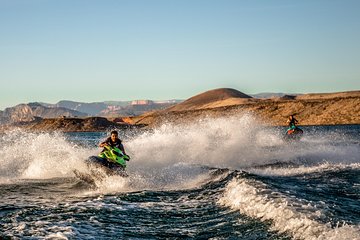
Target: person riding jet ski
{"x":293,"y":131}
{"x":113,"y":141}
{"x":113,"y":156}
{"x":111,"y":161}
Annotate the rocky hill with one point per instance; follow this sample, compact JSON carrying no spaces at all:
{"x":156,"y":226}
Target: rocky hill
{"x":310,"y":109}
{"x":33,"y":111}
{"x":211,"y":99}
{"x":349,"y":94}
{"x":90,"y":124}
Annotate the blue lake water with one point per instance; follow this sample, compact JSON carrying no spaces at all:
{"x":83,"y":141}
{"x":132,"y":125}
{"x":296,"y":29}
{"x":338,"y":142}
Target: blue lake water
{"x":214,"y":179}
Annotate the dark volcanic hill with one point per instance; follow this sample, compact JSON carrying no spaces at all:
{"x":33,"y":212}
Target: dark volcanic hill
{"x":209,"y":99}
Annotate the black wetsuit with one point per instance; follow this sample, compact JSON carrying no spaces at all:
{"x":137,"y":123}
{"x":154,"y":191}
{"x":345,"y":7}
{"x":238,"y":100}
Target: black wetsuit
{"x":117,"y":144}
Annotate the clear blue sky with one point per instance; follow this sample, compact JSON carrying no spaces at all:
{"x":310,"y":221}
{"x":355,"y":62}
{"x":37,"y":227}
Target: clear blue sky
{"x":164,"y":49}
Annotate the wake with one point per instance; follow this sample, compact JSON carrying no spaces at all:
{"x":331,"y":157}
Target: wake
{"x":173,"y":156}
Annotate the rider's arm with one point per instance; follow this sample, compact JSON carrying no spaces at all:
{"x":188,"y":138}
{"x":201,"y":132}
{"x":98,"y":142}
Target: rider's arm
{"x":121,"y":147}
{"x":105,"y":143}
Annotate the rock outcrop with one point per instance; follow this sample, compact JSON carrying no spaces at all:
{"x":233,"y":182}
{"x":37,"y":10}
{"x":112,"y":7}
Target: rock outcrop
{"x":211,"y":99}
{"x":310,"y":109}
{"x":90,"y":124}
{"x":24,"y":113}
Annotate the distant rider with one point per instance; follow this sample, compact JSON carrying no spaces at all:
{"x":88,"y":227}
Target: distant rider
{"x":292,"y":122}
{"x":113,"y":141}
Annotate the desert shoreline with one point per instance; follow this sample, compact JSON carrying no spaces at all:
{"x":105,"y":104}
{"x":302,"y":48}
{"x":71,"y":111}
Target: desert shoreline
{"x":325,"y":109}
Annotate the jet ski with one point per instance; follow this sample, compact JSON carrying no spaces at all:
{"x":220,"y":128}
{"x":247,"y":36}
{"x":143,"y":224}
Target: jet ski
{"x":293,"y":133}
{"x":110,"y":162}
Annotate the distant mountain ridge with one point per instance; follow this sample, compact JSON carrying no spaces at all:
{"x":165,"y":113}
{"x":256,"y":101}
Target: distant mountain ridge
{"x":273,"y":95}
{"x":106,"y":108}
{"x":92,"y":109}
{"x":115,"y":108}
{"x":310,"y":109}
{"x":33,"y":111}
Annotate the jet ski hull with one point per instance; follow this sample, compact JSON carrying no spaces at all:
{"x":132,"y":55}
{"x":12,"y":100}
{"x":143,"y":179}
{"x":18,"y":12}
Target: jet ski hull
{"x":293,"y":134}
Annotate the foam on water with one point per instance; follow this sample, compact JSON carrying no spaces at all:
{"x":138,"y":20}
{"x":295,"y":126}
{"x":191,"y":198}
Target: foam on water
{"x":300,"y":170}
{"x":183,"y":157}
{"x":234,"y":142}
{"x":172,"y":155}
{"x":39,"y":155}
{"x":111,"y":185}
{"x":287,"y":215}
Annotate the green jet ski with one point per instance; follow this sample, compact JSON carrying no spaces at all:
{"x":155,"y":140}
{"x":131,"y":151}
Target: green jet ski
{"x":293,"y":133}
{"x":114,"y":156}
{"x":111,"y":161}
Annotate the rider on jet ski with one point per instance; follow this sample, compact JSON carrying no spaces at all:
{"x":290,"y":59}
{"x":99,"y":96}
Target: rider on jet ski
{"x":113,"y":141}
{"x":112,"y":159}
{"x":113,"y":155}
{"x":292,"y":121}
{"x":293,"y":130}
